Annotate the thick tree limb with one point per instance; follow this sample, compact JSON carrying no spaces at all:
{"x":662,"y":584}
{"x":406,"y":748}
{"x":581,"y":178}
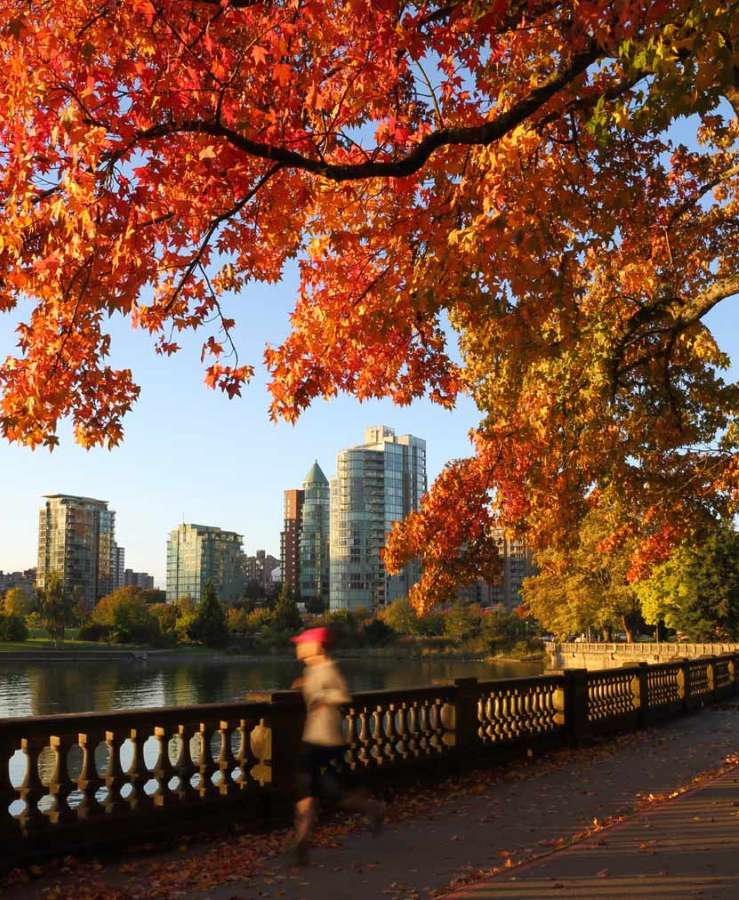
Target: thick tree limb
{"x":473,"y":135}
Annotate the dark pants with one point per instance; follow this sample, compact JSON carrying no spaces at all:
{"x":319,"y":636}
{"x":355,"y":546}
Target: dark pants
{"x":320,"y":772}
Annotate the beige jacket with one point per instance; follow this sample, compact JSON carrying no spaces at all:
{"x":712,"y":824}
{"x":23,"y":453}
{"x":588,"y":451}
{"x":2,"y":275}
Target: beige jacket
{"x":324,"y":691}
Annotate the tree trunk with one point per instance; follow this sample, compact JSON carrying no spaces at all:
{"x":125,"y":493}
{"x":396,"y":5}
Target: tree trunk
{"x":628,"y":628}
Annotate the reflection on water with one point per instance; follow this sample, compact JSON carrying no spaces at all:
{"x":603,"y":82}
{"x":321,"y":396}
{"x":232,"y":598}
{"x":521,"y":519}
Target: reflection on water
{"x":40,"y":689}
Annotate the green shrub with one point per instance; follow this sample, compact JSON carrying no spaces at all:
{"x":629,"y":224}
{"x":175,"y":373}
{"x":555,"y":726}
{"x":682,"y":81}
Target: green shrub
{"x":94,"y":631}
{"x":375,"y":633}
{"x":12,"y":628}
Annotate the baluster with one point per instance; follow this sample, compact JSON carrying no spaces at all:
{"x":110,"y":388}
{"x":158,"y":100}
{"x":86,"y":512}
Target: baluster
{"x":63,"y":785}
{"x":88,"y":781}
{"x":224,"y":759}
{"x":32,"y":819}
{"x":183,"y":766}
{"x":412,"y":729}
{"x":9,"y":824}
{"x":363,"y":737}
{"x":375,"y":728}
{"x":239,"y":754}
{"x":113,"y":778}
{"x":206,"y":766}
{"x":136,"y":774}
{"x":260,"y":744}
{"x":401,"y":731}
{"x":389,"y":734}
{"x":160,"y":769}
{"x":187,"y":766}
{"x":56,"y":777}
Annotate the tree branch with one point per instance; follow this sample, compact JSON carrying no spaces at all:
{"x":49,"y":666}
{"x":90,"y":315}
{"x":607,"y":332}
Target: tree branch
{"x":473,"y":135}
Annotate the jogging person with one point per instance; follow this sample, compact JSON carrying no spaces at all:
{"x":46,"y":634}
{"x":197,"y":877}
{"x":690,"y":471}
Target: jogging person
{"x":321,"y":762}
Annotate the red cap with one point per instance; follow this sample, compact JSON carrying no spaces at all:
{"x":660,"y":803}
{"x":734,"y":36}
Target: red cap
{"x":320,"y":635}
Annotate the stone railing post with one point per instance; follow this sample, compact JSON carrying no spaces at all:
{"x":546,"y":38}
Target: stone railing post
{"x":684,"y":683}
{"x":576,"y":704}
{"x":640,"y":693}
{"x":711,"y":679}
{"x":466,"y":719}
{"x":285,"y":719}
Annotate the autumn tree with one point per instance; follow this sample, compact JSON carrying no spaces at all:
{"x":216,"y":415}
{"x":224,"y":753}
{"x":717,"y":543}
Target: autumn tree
{"x":507,"y":167}
{"x":583,"y":583}
{"x":16,"y":602}
{"x":55,"y":607}
{"x":127,"y":616}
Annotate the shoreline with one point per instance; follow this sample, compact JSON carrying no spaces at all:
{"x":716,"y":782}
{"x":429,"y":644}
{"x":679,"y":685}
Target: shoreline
{"x":187,"y":654}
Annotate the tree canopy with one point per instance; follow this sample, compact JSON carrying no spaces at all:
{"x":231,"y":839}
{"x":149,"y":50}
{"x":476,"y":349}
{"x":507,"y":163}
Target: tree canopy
{"x":696,"y":590}
{"x":504,"y":166}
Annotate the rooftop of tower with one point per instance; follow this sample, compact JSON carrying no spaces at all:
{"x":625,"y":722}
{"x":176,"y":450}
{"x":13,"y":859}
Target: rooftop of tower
{"x":315,"y":475}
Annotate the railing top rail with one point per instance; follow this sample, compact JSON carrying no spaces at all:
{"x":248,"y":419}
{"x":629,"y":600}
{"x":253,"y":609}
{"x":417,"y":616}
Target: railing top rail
{"x":520,"y":680}
{"x":646,"y":646}
{"x":81,"y":720}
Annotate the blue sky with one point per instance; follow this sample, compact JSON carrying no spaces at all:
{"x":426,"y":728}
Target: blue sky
{"x":191,"y":453}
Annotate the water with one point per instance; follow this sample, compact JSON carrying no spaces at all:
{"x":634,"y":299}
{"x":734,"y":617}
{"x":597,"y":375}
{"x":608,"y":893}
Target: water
{"x":37,"y":689}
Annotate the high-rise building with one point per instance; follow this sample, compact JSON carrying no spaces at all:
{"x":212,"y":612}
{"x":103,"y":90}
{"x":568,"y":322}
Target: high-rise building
{"x":197,"y":554}
{"x":77,"y":540}
{"x":290,"y":539}
{"x":314,"y":540}
{"x":376,"y":483}
{"x":517,"y":564}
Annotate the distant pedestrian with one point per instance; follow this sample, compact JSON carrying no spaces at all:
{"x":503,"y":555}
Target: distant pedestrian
{"x":321,"y":763}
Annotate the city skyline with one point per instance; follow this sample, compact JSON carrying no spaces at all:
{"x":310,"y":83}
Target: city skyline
{"x":189,"y":454}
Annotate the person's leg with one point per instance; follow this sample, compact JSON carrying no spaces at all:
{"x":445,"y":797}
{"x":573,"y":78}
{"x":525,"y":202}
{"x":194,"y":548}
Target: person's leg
{"x":306,"y":807}
{"x":305,"y":816}
{"x":333,"y":788}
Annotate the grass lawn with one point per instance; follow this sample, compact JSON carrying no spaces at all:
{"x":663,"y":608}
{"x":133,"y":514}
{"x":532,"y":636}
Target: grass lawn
{"x":38,"y":639}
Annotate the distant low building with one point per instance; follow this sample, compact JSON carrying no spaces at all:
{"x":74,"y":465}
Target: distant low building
{"x":197,"y":554}
{"x":259,"y":568}
{"x":138,"y":579}
{"x":119,"y":555}
{"x":24,"y":579}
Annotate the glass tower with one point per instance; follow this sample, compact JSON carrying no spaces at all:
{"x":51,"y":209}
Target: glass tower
{"x":376,"y":483}
{"x":314,"y":540}
{"x":197,"y":554}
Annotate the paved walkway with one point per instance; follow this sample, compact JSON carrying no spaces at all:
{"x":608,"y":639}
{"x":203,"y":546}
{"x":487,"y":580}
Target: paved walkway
{"x":686,"y":847}
{"x":470,"y":826}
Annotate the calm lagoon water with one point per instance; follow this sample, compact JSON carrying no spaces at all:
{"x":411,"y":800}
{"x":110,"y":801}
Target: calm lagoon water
{"x":36,"y":689}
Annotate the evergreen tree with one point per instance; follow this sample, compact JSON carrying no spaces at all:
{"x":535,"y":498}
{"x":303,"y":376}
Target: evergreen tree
{"x":209,"y":625}
{"x":286,"y":614}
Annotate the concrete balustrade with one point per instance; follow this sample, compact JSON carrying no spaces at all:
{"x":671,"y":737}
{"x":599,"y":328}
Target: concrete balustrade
{"x":96,"y":780}
{"x":591,"y":655}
